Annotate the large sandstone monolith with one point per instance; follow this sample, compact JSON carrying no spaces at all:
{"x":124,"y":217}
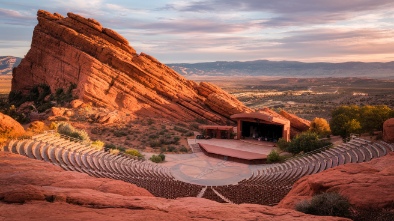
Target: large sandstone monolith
{"x":108,"y":72}
{"x":388,"y":130}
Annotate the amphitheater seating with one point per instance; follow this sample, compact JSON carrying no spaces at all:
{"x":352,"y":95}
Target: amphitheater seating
{"x":266,"y":186}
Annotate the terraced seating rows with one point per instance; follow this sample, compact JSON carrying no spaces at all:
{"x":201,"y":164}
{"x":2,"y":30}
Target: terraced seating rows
{"x":266,"y":186}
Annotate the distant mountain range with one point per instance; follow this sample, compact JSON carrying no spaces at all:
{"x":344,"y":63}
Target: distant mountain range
{"x":262,"y":68}
{"x":286,"y":69}
{"x":7,"y":63}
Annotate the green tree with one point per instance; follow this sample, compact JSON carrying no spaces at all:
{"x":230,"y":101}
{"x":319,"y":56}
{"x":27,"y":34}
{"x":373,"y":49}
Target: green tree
{"x":306,"y":142}
{"x":373,"y":117}
{"x":354,"y":119}
{"x":303,"y":142}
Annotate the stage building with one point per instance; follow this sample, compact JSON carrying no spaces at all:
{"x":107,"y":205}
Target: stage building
{"x":261,"y":126}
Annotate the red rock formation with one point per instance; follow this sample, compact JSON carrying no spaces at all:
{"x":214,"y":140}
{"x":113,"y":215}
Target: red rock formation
{"x":10,"y":127}
{"x":388,"y":130}
{"x":35,"y":190}
{"x":366,"y":185}
{"x":109,"y":73}
{"x":297,"y":124}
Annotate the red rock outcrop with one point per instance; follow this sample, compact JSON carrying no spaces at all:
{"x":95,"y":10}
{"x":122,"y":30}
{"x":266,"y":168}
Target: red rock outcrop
{"x":35,"y":190}
{"x":388,"y":130}
{"x":10,"y":127}
{"x":297,"y":124}
{"x":109,"y":73}
{"x":366,"y":185}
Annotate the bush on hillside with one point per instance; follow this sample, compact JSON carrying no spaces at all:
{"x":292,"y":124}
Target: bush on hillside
{"x":326,"y":204}
{"x":69,"y":130}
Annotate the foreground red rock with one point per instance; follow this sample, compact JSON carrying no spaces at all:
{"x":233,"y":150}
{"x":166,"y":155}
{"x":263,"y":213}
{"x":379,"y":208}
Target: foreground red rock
{"x":109,"y":73}
{"x":366,"y":185}
{"x":34,"y":190}
{"x":388,"y":130}
{"x":10,"y":127}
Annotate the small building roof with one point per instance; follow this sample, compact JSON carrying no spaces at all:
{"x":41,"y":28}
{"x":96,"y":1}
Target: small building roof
{"x":261,"y":116}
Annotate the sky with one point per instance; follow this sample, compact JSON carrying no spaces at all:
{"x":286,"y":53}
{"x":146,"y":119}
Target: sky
{"x":176,"y":31}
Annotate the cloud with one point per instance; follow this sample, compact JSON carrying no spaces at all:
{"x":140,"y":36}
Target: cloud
{"x":290,"y":13}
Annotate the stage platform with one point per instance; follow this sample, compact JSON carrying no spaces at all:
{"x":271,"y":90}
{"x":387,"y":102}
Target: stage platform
{"x":247,"y":151}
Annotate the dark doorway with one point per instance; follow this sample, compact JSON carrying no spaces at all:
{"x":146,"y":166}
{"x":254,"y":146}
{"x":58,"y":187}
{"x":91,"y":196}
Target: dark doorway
{"x":262,"y":131}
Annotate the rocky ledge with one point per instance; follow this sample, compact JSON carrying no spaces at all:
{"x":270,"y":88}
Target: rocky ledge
{"x":35,"y":190}
{"x":367,"y":185}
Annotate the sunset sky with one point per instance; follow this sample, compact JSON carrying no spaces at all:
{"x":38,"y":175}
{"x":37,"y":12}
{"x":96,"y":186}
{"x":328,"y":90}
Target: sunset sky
{"x":224,"y":30}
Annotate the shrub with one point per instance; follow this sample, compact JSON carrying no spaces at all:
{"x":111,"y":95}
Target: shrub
{"x":320,"y":126}
{"x":98,"y":144}
{"x":326,"y":204}
{"x":150,"y":121}
{"x":133,"y":152}
{"x":155,"y":159}
{"x":283,"y":144}
{"x":183,"y":149}
{"x":176,"y":140}
{"x":65,"y":128}
{"x":114,"y":151}
{"x":171,"y":148}
{"x":154,"y":143}
{"x":274,"y":157}
{"x":110,"y":146}
{"x":180,"y":129}
{"x":119,"y":133}
{"x":162,"y":156}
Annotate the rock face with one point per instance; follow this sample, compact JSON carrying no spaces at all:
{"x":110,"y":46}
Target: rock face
{"x":109,"y":73}
{"x":10,"y":127}
{"x":35,"y":190}
{"x":298,"y":124}
{"x":388,"y":130}
{"x":367,"y":185}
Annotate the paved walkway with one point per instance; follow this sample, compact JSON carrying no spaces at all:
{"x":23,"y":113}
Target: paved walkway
{"x":200,"y":169}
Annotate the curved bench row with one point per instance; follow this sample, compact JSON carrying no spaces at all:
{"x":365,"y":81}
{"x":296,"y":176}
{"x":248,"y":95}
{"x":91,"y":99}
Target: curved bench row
{"x":266,"y":186}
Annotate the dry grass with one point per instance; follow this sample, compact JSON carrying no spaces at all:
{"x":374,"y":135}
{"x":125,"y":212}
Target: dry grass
{"x":5,"y":84}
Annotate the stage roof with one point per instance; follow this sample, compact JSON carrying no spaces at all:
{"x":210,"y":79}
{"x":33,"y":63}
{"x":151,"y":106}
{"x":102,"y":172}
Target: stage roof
{"x":260,"y":116}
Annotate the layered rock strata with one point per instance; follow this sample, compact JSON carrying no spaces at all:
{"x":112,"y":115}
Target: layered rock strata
{"x":109,"y":73}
